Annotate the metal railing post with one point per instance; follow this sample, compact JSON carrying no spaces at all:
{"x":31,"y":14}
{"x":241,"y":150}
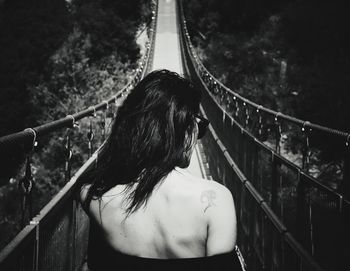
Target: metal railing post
{"x":275,"y":165}
{"x":74,"y":234}
{"x":301,"y":219}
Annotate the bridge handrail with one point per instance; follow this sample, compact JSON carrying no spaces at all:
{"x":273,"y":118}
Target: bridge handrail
{"x":278,"y":224}
{"x":273,"y":113}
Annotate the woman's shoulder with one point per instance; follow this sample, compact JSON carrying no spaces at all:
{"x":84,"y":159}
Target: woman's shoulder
{"x":209,"y":194}
{"x":211,"y":188}
{"x":215,"y":196}
{"x":217,"y":187}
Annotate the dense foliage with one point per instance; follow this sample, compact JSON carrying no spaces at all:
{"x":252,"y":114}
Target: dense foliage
{"x":57,"y":58}
{"x":246,"y":42}
{"x":291,"y":56}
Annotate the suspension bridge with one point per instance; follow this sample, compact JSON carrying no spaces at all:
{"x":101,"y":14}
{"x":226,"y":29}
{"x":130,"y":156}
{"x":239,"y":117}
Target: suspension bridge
{"x":287,"y":218}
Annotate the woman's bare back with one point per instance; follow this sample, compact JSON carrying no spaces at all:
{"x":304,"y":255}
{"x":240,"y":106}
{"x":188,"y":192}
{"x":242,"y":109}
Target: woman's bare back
{"x":176,"y":222}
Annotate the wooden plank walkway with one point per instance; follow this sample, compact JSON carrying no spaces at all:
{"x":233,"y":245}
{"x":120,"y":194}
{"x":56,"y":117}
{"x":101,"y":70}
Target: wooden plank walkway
{"x":167,"y":55}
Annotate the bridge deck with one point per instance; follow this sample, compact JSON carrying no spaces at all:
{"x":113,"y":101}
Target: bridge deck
{"x":167,"y":55}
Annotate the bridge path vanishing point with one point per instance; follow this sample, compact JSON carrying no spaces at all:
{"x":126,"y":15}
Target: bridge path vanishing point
{"x":167,"y":55}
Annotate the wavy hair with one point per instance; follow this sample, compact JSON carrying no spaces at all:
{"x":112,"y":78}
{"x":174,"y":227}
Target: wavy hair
{"x":152,"y":134}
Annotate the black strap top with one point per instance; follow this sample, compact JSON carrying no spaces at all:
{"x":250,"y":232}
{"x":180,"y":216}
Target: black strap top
{"x":102,"y":257}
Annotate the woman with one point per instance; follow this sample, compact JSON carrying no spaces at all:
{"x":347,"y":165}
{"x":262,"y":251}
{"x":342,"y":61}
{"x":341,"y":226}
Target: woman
{"x":143,"y":205}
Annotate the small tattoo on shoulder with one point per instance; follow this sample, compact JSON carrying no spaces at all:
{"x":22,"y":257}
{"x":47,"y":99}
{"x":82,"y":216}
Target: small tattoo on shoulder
{"x":208,"y":197}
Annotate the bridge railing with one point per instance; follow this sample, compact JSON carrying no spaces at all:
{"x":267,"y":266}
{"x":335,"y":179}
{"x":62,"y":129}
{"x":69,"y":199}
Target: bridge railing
{"x":299,"y":205}
{"x":56,"y":238}
{"x":264,"y":241}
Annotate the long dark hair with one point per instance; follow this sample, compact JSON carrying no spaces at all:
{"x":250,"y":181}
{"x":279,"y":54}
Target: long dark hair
{"x":152,"y":134}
